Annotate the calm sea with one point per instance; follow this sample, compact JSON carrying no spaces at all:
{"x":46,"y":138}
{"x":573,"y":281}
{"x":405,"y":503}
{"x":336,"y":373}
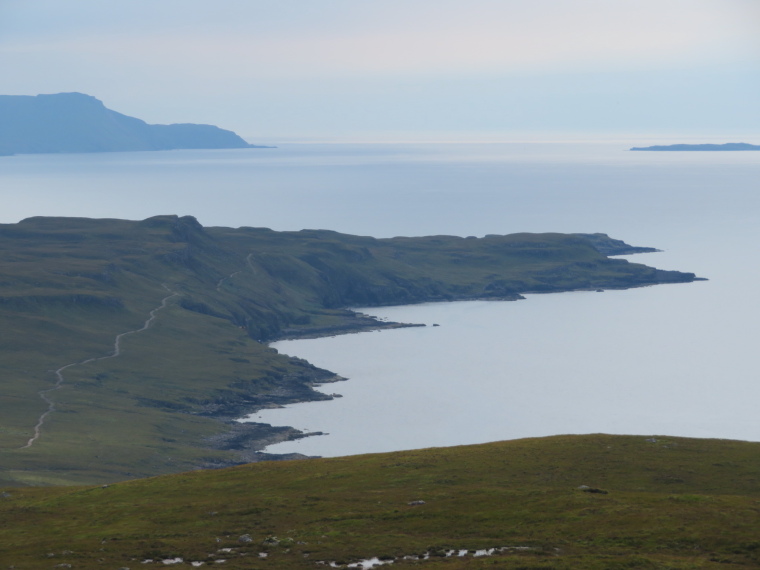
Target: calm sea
{"x":676,"y":359}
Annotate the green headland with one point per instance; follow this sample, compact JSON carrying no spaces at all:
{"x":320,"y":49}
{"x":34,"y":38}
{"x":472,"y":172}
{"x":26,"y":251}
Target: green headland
{"x":129,"y":348}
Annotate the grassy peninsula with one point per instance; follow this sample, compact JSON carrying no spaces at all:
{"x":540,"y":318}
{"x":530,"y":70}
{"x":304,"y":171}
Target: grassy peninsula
{"x":128,"y":348}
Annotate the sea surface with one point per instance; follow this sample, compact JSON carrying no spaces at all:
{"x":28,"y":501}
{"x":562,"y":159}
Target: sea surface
{"x":672,"y":359}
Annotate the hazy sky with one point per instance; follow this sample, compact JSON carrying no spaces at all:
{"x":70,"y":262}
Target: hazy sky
{"x":273,"y":69}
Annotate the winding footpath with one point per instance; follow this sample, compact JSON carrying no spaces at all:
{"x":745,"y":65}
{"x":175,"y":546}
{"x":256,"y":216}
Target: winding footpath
{"x":250,"y":263}
{"x":228,"y":278}
{"x":44,"y":394}
{"x":221,"y":282}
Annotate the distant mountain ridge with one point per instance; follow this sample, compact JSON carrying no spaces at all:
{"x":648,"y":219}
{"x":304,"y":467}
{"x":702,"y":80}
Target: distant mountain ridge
{"x":723,"y":147}
{"x":78,"y":123}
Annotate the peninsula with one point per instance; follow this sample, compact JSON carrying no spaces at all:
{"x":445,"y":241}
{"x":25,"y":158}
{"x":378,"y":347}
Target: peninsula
{"x":701,"y":147}
{"x":130,"y":348}
{"x":77,"y":123}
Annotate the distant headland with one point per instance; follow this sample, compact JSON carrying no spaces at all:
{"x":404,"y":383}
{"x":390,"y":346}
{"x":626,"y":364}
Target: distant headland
{"x":78,"y":123}
{"x":678,"y":147}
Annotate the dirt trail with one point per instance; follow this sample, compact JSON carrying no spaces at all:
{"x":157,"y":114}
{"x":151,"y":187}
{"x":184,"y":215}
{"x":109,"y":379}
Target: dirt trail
{"x":116,"y":352}
{"x":223,"y":279}
{"x":231,"y":275}
{"x":250,"y":264}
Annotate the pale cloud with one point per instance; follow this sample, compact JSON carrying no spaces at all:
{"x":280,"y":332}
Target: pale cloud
{"x":431,"y":38}
{"x":290,"y":66}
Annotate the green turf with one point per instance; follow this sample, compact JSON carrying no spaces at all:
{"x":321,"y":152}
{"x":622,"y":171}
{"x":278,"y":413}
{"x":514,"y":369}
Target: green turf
{"x":669,"y":503}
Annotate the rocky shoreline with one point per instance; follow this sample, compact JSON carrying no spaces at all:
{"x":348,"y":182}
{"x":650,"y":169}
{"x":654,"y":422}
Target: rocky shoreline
{"x":249,"y":439}
{"x":353,"y":323}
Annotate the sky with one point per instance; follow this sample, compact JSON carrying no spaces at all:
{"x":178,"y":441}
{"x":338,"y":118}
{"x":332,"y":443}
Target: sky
{"x":399,"y":69}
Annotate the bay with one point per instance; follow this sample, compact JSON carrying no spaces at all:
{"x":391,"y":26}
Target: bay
{"x":640,"y":361}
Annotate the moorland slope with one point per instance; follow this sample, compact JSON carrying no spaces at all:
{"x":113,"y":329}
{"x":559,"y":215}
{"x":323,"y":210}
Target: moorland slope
{"x":564,"y":502}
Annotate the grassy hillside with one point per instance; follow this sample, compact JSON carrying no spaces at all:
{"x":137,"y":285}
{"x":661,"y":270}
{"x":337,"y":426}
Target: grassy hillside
{"x":129,"y":347}
{"x":660,"y":502}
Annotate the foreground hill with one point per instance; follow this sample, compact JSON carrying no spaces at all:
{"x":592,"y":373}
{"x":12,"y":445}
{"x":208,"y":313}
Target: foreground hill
{"x":73,"y":122}
{"x":565,"y":502}
{"x":129,"y":348}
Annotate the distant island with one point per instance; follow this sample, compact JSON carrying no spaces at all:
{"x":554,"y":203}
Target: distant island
{"x":78,"y":123}
{"x":680,"y":147}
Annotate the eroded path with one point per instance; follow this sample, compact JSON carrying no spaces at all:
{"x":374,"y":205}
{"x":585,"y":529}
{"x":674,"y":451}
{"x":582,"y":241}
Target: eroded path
{"x":45,"y":394}
{"x":228,"y":278}
{"x":250,"y":265}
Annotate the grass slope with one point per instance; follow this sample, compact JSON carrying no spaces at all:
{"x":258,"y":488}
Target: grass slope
{"x":668,"y":503}
{"x":192,"y":307}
